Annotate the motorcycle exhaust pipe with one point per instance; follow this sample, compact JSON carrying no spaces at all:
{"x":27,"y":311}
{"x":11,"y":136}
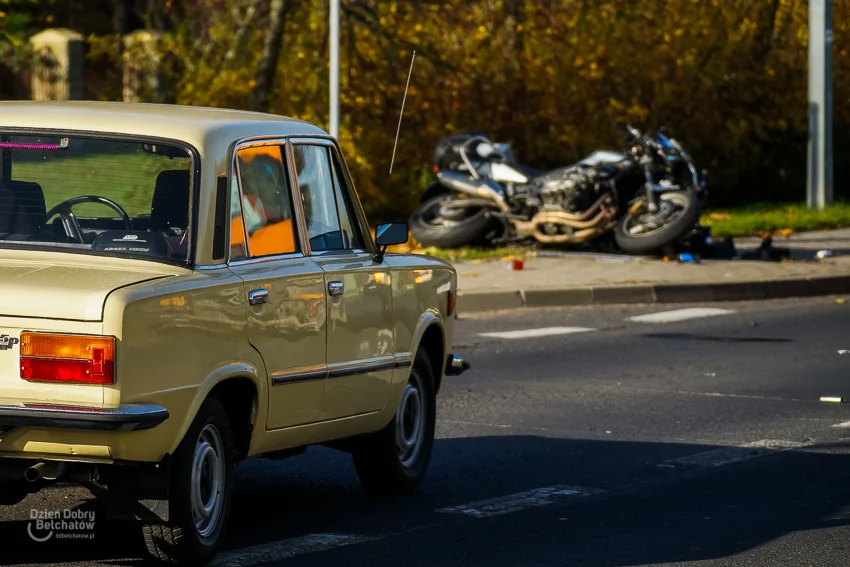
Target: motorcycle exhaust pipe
{"x":483,"y":188}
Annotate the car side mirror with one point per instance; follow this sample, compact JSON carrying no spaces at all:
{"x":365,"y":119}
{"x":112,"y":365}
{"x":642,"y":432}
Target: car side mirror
{"x":389,"y":234}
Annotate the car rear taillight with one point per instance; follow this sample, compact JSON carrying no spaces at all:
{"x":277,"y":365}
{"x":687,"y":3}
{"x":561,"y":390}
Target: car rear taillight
{"x":71,"y":359}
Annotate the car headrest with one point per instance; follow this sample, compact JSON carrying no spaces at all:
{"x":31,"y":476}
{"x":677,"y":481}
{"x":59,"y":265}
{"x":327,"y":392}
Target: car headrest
{"x":170,"y":204}
{"x":141,"y":242}
{"x":22,"y":208}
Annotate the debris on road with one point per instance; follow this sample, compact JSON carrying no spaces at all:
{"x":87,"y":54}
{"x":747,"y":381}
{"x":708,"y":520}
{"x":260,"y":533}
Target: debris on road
{"x":513,"y":263}
{"x":824,"y":254}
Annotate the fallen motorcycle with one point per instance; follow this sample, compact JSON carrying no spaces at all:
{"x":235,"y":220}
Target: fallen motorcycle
{"x":649,"y":196}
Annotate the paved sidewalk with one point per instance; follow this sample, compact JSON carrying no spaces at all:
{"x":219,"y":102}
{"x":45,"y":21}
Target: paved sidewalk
{"x":579,"y":278}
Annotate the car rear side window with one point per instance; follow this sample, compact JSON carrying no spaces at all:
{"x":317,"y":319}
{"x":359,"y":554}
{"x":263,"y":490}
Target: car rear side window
{"x":266,"y":202}
{"x":323,"y":205}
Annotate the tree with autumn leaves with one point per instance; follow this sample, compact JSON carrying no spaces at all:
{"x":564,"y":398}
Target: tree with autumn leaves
{"x":727,"y":77}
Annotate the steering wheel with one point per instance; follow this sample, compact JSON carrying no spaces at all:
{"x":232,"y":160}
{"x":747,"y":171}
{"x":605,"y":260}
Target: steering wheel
{"x":69,"y":219}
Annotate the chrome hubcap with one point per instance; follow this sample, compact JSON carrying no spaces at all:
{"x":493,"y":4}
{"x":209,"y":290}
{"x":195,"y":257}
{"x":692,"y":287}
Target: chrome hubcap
{"x":207,"y":482}
{"x":410,"y":422}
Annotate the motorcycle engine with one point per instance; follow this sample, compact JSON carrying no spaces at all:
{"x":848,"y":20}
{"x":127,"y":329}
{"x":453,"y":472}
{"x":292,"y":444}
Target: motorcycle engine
{"x":569,"y":189}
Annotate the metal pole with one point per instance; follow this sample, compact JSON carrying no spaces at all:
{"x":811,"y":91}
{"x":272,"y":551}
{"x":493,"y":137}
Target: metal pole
{"x":820,"y":177}
{"x":334,"y":60}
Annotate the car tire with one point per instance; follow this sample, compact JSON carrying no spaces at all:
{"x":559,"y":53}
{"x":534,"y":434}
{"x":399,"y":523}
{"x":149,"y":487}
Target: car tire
{"x":395,"y":459}
{"x":201,"y":487}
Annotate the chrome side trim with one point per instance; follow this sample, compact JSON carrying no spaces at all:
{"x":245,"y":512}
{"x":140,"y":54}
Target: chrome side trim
{"x":339,"y":371}
{"x":403,"y":360}
{"x":211,"y":267}
{"x":342,"y":372}
{"x":125,"y":417}
{"x":296,"y":377}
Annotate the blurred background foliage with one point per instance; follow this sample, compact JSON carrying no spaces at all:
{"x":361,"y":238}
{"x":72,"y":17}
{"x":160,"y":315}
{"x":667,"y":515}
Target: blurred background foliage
{"x":727,"y":77}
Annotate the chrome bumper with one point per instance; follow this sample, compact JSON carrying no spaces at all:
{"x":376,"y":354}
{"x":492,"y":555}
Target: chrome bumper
{"x":455,"y":365}
{"x":126,"y":417}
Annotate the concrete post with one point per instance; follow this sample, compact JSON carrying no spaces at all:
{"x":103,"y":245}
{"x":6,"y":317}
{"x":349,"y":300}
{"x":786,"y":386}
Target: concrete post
{"x":58,"y":66}
{"x":140,"y":66}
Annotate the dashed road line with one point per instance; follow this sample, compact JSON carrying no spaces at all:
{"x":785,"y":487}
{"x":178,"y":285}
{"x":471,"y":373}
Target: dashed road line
{"x":519,"y":501}
{"x":680,"y":315}
{"x":729,"y":455}
{"x":532,"y":333}
{"x":842,"y":425}
{"x":286,"y":548}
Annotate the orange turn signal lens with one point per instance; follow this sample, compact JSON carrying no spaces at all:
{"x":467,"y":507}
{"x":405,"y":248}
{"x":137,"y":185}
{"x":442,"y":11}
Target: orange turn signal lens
{"x":72,"y":359}
{"x":452,"y":302}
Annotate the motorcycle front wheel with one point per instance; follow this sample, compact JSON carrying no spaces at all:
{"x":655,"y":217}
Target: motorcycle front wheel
{"x":435,"y":224}
{"x":647,"y":233}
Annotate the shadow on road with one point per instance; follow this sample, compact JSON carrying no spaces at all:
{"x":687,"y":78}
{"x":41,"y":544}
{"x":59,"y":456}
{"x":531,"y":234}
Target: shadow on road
{"x":648,"y":515}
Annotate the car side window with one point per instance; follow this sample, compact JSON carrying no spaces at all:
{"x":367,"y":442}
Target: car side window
{"x":347,"y":217}
{"x":266,"y":201}
{"x":322,"y":208}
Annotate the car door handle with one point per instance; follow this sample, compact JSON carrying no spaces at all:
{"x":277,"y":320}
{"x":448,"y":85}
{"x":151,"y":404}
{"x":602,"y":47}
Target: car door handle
{"x":335,"y":288}
{"x":258,"y":296}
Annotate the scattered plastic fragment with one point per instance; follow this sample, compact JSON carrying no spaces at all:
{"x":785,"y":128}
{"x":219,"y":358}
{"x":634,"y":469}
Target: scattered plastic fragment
{"x":832,"y":400}
{"x":686,"y":258}
{"x":513,"y":263}
{"x":823,"y":254}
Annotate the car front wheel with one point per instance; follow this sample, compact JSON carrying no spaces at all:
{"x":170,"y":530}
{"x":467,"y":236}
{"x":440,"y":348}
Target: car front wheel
{"x":200,"y":492}
{"x":395,"y":459}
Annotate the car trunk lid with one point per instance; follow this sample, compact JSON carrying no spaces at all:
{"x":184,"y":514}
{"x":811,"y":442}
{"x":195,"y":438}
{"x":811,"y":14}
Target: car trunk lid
{"x":59,"y":289}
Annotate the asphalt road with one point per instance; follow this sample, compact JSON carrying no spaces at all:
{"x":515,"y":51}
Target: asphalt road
{"x":605,"y":441}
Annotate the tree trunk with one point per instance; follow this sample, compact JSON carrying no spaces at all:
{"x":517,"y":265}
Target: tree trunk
{"x":264,"y":78}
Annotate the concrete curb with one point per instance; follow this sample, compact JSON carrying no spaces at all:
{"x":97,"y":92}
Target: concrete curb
{"x":477,"y":301}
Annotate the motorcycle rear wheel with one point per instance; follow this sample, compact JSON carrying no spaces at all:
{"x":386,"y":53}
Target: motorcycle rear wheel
{"x":682,"y":219}
{"x":429,"y":228}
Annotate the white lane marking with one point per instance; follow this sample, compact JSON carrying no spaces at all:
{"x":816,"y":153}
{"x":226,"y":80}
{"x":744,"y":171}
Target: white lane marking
{"x":729,"y":455}
{"x":842,"y":425}
{"x":739,"y":396}
{"x":680,"y":315}
{"x":286,"y":548}
{"x":531,"y":333}
{"x":520,"y":501}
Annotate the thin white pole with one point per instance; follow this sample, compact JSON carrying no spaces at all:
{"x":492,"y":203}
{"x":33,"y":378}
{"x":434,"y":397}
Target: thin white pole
{"x":819,"y":182}
{"x":334,"y":64}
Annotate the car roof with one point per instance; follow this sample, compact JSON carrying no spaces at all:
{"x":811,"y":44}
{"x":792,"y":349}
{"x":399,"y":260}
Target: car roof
{"x":199,"y":126}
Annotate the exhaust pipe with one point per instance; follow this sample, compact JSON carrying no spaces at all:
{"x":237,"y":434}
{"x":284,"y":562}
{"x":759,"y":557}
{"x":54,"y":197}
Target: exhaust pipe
{"x":46,"y":471}
{"x":484,"y":188}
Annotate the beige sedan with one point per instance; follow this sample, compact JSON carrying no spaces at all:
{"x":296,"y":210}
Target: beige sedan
{"x":184,"y":288}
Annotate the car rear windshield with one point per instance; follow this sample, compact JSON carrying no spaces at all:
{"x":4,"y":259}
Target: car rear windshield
{"x":97,"y":196}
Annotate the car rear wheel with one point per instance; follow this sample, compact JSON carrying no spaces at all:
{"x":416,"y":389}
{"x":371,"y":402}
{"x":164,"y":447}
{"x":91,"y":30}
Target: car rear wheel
{"x":395,"y":459}
{"x":201,"y":487}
